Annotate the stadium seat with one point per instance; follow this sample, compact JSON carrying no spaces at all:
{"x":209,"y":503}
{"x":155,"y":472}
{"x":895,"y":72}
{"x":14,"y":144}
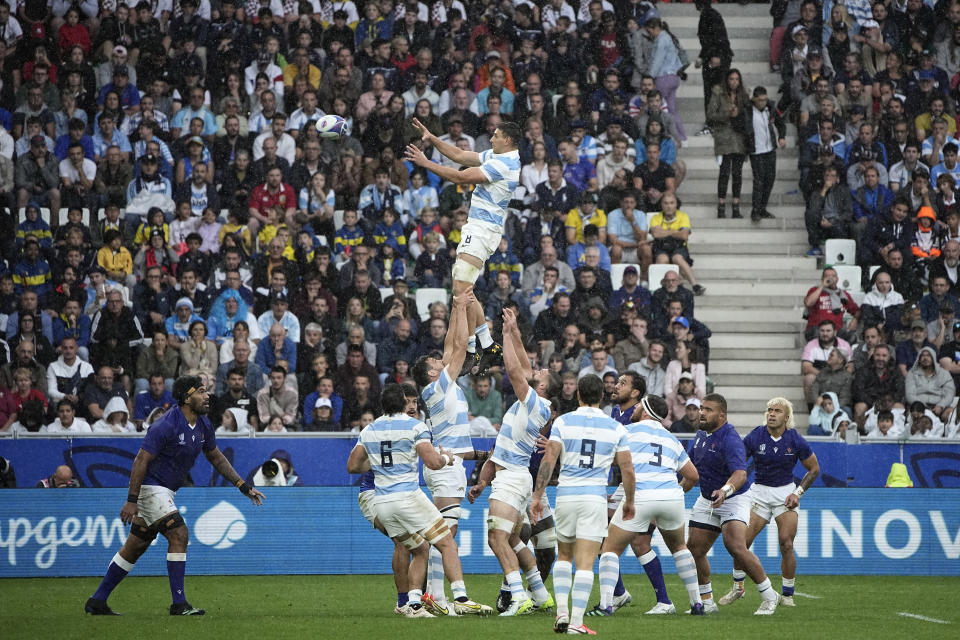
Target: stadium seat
{"x":385,"y":292}
{"x":840,"y":252}
{"x":849,"y":275}
{"x":616,"y":273}
{"x":656,"y":273}
{"x":84,"y":218}
{"x":337,"y":219}
{"x":873,"y":270}
{"x":44,"y":214}
{"x":425,"y":297}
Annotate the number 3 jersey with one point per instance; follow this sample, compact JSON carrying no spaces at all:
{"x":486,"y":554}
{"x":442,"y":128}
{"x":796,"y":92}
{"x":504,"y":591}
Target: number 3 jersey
{"x":391,"y":445}
{"x":590,"y":440}
{"x":657,"y":457}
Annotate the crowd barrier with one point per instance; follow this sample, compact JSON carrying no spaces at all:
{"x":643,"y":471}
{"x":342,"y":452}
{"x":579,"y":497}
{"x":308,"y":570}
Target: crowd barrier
{"x":319,"y":530}
{"x":321,"y":460}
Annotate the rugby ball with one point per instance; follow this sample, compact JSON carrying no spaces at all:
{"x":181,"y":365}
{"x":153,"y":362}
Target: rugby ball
{"x":332,"y":126}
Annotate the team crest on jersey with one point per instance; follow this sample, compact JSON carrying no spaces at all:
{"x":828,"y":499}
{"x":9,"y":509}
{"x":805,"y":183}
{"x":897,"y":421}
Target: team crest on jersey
{"x":182,"y":442}
{"x":762,"y":449}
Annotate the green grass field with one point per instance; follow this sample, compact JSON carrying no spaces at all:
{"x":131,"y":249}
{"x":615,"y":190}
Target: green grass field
{"x":355,"y":607}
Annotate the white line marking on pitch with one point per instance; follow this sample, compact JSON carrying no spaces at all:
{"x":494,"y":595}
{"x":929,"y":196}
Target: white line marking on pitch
{"x":924,"y":618}
{"x":807,"y":595}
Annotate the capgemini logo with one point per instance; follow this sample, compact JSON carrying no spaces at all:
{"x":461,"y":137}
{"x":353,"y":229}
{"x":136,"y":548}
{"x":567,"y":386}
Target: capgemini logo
{"x":221,"y":526}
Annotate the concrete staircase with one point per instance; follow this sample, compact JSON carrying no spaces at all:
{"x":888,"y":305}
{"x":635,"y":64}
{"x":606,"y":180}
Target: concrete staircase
{"x":755,"y":273}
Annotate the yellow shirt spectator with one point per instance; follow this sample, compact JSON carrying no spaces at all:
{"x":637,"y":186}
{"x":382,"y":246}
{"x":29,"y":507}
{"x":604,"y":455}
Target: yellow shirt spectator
{"x":680,"y":221}
{"x":578,"y":218}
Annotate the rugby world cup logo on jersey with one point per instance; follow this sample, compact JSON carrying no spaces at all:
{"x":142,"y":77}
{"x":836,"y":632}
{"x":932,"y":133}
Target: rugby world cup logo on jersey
{"x":221,"y":526}
{"x":762,"y":449}
{"x":182,"y":442}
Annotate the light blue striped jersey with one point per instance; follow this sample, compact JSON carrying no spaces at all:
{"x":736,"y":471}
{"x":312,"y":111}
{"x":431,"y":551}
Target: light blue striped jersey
{"x":391,"y":445}
{"x":490,"y":200}
{"x":519,"y":430}
{"x":657,"y":456}
{"x":449,"y":416}
{"x":590,"y":440}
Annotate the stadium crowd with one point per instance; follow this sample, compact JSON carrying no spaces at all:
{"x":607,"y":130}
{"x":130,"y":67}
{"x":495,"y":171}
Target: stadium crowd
{"x":873,"y":90}
{"x":173,"y":211}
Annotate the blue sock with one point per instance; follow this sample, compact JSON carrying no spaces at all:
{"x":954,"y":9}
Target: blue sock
{"x":117,"y":571}
{"x":651,"y":566}
{"x":402,"y":598}
{"x":176,"y":568}
{"x":619,"y":590}
{"x":788,"y":586}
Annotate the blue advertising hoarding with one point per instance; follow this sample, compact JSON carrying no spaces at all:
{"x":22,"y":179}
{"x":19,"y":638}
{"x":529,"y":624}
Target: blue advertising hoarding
{"x":320,"y":531}
{"x":106,"y":462}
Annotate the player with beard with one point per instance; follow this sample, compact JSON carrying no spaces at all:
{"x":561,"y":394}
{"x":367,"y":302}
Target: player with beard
{"x":162,"y":466}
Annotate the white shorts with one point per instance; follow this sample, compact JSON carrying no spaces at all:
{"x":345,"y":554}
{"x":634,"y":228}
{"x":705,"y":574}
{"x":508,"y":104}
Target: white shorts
{"x":733,"y":508}
{"x":365,"y":500}
{"x":154,"y":503}
{"x":767,"y":502}
{"x":666,"y":514}
{"x":412,"y":514}
{"x":448,"y":482}
{"x":513,"y":488}
{"x":581,"y":517}
{"x":479,"y":239}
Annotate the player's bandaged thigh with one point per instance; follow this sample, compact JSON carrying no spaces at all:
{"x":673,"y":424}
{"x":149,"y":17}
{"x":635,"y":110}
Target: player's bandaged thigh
{"x":464,"y":271}
{"x":170,"y":522}
{"x":451,"y":514}
{"x":147,"y":534}
{"x":436,"y":532}
{"x":411,"y":541}
{"x":499,"y":523}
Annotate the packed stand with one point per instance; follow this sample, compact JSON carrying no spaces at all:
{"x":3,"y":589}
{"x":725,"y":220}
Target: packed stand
{"x":170,"y":209}
{"x":872,"y":89}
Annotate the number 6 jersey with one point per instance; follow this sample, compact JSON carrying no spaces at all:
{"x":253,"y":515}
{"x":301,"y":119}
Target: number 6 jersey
{"x":589,"y":439}
{"x":391,"y":445}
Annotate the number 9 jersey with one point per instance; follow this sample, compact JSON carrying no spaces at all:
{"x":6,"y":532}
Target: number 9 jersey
{"x":590,"y":440}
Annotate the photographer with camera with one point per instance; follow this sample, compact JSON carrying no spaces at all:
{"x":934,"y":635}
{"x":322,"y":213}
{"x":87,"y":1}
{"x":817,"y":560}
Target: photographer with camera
{"x":828,"y":302}
{"x":62,"y":478}
{"x":8,"y":478}
{"x":278,"y":471}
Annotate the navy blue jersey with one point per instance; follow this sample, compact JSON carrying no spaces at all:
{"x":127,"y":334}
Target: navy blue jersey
{"x":176,"y":447}
{"x":536,"y":458}
{"x":775,"y":458}
{"x":623,"y":418}
{"x":366,"y":482}
{"x":716,"y":456}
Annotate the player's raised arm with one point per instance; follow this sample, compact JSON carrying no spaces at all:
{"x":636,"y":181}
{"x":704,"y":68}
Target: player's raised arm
{"x":455,"y":344}
{"x":512,"y":358}
{"x":473,"y":175}
{"x":458,"y":155}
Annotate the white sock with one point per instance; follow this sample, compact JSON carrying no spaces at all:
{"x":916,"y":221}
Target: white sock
{"x":535,"y":582}
{"x":516,"y":586}
{"x":414,"y":596}
{"x":687,"y":570}
{"x":609,"y":569}
{"x":706,"y":591}
{"x":766,"y":590}
{"x":459,"y":589}
{"x":472,"y":344}
{"x":562,"y":578}
{"x":582,"y":586}
{"x":739,"y":576}
{"x":483,"y":334}
{"x":435,"y":585}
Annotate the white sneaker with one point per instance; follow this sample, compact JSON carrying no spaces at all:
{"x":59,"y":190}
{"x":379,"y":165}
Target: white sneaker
{"x":434,"y":607}
{"x":736,"y":592}
{"x":787,"y":601}
{"x":661,"y":608}
{"x":418,"y":612}
{"x":519,"y":607}
{"x":767,"y":607}
{"x":581,"y":630}
{"x":622,"y":600}
{"x":400,"y":611}
{"x":469,"y":607}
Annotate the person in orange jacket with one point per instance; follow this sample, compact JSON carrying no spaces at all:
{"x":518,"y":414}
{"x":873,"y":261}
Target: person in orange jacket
{"x":928,"y":240}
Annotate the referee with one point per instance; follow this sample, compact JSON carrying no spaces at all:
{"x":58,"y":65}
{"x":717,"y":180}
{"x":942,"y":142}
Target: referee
{"x":162,"y":465}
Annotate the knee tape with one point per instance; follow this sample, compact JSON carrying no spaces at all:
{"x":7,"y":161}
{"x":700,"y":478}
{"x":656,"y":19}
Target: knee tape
{"x":546,"y":539}
{"x":436,"y":533}
{"x":147,"y":534}
{"x":497,"y":523}
{"x":171,"y":522}
{"x":520,"y":546}
{"x":412,"y":541}
{"x":464,"y":271}
{"x":451,"y":514}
